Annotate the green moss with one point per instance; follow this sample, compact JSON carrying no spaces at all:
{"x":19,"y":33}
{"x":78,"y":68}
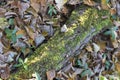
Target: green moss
{"x":3,"y":22}
{"x":48,"y":55}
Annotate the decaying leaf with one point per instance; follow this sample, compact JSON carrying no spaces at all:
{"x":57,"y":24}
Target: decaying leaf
{"x":102,"y":45}
{"x":115,"y":44}
{"x":104,"y":4}
{"x":117,"y":65}
{"x":64,"y":28}
{"x":51,"y":74}
{"x":2,"y":12}
{"x":5,"y":72}
{"x":89,"y":2}
{"x":89,"y":48}
{"x":96,"y":47}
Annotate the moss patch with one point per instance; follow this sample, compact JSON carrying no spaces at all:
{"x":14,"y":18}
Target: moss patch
{"x":48,"y":55}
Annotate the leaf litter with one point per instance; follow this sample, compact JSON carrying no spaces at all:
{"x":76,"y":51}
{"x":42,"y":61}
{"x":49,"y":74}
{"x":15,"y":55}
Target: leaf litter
{"x":28,"y":26}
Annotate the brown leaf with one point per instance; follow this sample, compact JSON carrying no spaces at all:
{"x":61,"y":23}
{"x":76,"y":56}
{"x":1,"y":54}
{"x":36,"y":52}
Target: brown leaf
{"x":112,"y":11}
{"x":2,"y":12}
{"x":51,"y":74}
{"x":104,"y":4}
{"x":20,"y":32}
{"x":36,"y":4}
{"x":5,"y":72}
{"x":117,"y":65}
{"x":102,"y":45}
{"x":89,"y":2}
{"x":115,"y":44}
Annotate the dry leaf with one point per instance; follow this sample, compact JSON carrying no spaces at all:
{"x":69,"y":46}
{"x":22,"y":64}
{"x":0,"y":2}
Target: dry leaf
{"x":115,"y":44}
{"x":89,"y":2}
{"x":20,"y":32}
{"x":64,"y":28}
{"x":96,"y":47}
{"x":5,"y":72}
{"x":102,"y":45}
{"x":104,"y":4}
{"x":2,"y":12}
{"x":116,"y":23}
{"x":67,"y":68}
{"x":117,"y":65}
{"x":60,"y":3}
{"x":112,"y":11}
{"x":51,"y":74}
{"x":37,"y":4}
{"x":89,"y":48}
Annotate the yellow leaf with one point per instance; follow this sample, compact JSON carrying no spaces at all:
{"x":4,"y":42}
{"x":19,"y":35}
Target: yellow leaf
{"x":89,"y":48}
{"x":20,"y":32}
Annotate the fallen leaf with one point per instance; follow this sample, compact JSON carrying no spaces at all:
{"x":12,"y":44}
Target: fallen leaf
{"x":104,"y":4}
{"x":96,"y":47}
{"x":118,"y":8}
{"x":116,"y":23}
{"x":51,"y":74}
{"x":64,"y":28}
{"x":5,"y":72}
{"x":112,"y":11}
{"x":23,"y":7}
{"x":117,"y":66}
{"x":20,"y":32}
{"x":89,"y":48}
{"x":39,"y":39}
{"x":89,"y":2}
{"x":115,"y":44}
{"x":2,"y":12}
{"x":60,"y":3}
{"x":102,"y":44}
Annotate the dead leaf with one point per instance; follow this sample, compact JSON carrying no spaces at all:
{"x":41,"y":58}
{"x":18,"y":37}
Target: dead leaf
{"x":104,"y":4}
{"x":39,"y":39}
{"x":118,"y":8}
{"x":64,"y":28}
{"x":20,"y":32}
{"x":1,"y":47}
{"x":37,"y":4}
{"x":116,"y":23}
{"x":89,"y":2}
{"x":89,"y":48}
{"x":51,"y":74}
{"x":115,"y":44}
{"x":117,"y":65}
{"x":30,"y":32}
{"x":102,"y":45}
{"x":112,"y":11}
{"x":23,"y":7}
{"x":67,"y":68}
{"x":5,"y":72}
{"x":96,"y":47}
{"x":2,"y":12}
{"x":73,"y":2}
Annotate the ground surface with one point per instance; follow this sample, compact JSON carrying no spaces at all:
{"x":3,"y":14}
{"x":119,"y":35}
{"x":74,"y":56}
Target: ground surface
{"x":50,"y":54}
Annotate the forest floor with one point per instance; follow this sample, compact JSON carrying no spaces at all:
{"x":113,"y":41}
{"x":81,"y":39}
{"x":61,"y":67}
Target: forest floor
{"x":82,"y":45}
{"x":49,"y":55}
